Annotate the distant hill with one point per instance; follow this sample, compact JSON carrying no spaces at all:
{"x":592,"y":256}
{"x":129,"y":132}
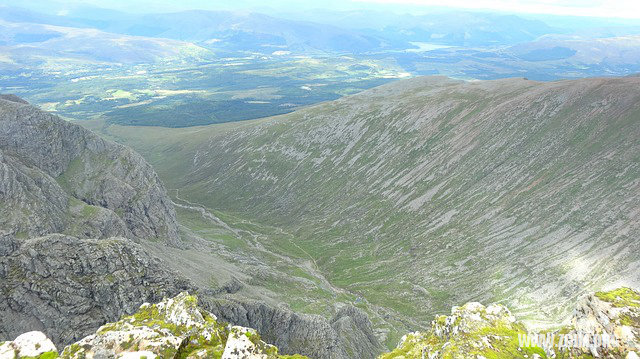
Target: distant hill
{"x":39,"y":46}
{"x":220,"y":29}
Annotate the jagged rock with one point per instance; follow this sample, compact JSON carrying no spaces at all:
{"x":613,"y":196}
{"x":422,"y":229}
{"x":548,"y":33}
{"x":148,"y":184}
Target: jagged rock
{"x":57,"y":177}
{"x":355,"y":333}
{"x":347,"y":335}
{"x":229,"y":287}
{"x":616,"y":313}
{"x":8,"y":244}
{"x":68,"y":287}
{"x":29,"y":345}
{"x":473,"y":331}
{"x":173,"y":328}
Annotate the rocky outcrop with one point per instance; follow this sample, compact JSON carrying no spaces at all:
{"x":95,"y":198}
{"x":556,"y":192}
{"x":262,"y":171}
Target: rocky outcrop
{"x":58,"y":177}
{"x":355,"y":333}
{"x":173,"y":328}
{"x":471,"y":331}
{"x":476,"y":331}
{"x":347,"y":335}
{"x":616,"y":313}
{"x":67,"y":287}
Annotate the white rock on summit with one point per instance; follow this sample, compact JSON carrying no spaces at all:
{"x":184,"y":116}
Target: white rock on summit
{"x":137,"y":355}
{"x":240,"y":345}
{"x":31,"y":344}
{"x":6,"y":351}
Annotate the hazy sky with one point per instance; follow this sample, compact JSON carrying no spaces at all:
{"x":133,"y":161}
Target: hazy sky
{"x":596,"y":8}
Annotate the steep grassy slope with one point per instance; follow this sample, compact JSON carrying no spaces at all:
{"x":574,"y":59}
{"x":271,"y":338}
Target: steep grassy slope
{"x":429,"y":192}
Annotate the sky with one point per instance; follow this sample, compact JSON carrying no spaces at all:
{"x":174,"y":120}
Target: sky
{"x":593,"y":8}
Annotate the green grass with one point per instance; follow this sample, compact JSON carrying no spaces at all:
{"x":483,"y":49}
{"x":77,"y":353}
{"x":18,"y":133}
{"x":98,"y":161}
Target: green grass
{"x":621,"y":297}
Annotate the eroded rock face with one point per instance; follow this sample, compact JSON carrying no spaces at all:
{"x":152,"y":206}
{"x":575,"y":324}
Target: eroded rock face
{"x":355,"y":333}
{"x":67,"y":287}
{"x":347,"y":335}
{"x":57,"y":177}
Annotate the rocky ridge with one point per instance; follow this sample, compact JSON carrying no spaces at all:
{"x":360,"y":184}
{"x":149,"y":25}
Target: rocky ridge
{"x":173,"y":328}
{"x":67,"y":287}
{"x":348,"y":334}
{"x":58,"y":177}
{"x":616,"y":313}
{"x":476,"y":331}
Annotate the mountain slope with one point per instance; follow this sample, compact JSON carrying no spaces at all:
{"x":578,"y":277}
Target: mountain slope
{"x":429,"y":192}
{"x":60,"y":182}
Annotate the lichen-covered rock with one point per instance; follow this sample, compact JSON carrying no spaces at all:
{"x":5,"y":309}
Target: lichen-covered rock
{"x":616,"y":313}
{"x":57,"y":177}
{"x":475,"y":331}
{"x":245,"y":343}
{"x":29,"y":345}
{"x":68,"y":287}
{"x":471,"y":331}
{"x":173,"y":328}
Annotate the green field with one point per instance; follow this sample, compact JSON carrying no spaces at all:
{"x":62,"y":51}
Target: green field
{"x":196,"y":93}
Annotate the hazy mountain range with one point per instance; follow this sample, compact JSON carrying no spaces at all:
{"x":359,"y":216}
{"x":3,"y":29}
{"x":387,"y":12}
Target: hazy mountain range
{"x":321,"y":31}
{"x":200,"y":67}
